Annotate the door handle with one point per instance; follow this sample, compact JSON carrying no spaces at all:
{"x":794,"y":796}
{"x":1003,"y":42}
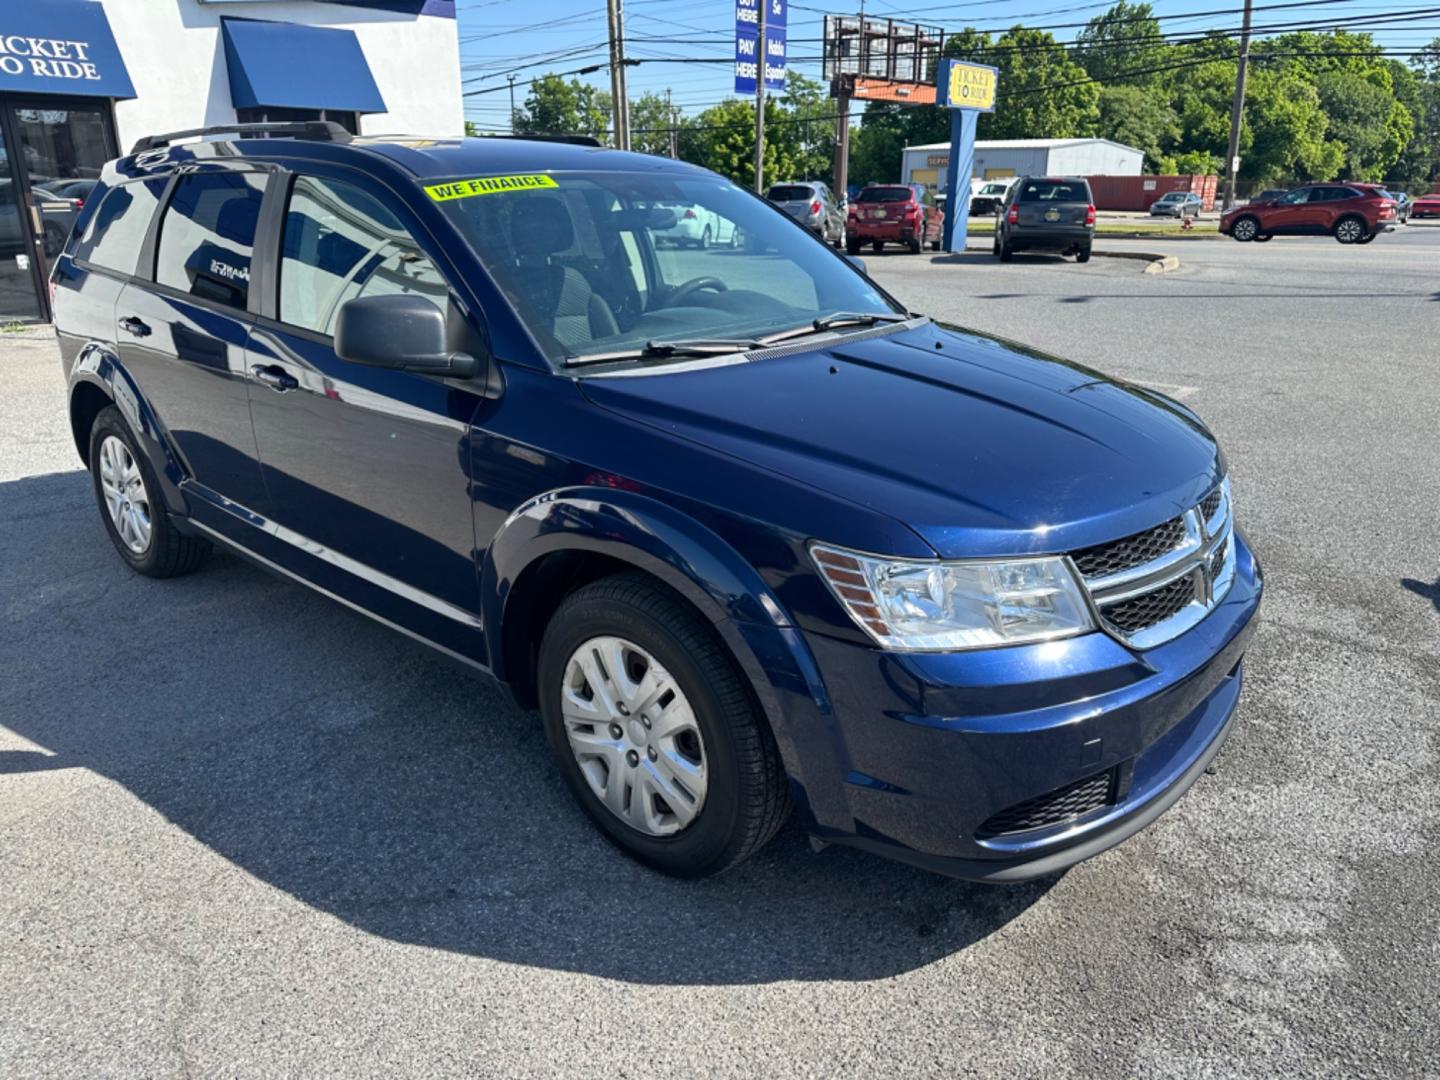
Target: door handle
{"x":275,"y":377}
{"x":137,"y":327}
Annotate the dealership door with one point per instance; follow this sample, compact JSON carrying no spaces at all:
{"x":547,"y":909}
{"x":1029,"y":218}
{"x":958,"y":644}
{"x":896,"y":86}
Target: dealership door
{"x":51,"y":154}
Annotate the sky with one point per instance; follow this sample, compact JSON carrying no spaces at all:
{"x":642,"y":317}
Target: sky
{"x":528,"y":38}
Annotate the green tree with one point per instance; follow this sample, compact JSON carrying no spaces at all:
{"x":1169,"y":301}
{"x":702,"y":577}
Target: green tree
{"x":876,"y":147}
{"x":1043,"y":94}
{"x":1286,"y":129}
{"x":1124,"y":38}
{"x":1140,"y":118}
{"x":722,"y":138}
{"x":557,"y":106}
{"x":805,"y":133}
{"x":1419,"y":164}
{"x":650,"y":123}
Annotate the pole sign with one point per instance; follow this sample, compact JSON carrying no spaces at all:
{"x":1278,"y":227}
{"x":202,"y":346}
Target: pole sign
{"x":967,"y":90}
{"x":748,"y":53}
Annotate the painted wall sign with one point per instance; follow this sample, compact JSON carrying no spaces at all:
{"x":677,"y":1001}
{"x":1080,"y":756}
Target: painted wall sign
{"x":61,"y":47}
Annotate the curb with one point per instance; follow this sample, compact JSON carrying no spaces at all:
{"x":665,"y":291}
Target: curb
{"x":1155,"y":263}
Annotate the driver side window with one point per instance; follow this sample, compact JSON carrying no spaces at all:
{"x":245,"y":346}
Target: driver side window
{"x":339,"y":244}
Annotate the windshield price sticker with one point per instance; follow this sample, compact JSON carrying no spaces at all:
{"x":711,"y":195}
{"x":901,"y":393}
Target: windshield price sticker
{"x":488,"y":185}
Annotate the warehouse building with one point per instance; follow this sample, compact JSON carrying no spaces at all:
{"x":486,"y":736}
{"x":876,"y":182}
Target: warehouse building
{"x":1025,"y":157}
{"x":82,"y":80}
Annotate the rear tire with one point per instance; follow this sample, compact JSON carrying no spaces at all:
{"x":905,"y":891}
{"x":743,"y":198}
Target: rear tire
{"x":705,"y":238}
{"x":1083,"y":255}
{"x":734,"y":761}
{"x":852,"y":247}
{"x":1245,"y":229}
{"x":1351,"y":229}
{"x":1367,"y":238}
{"x":877,"y":246}
{"x":134,"y":514}
{"x":914,"y":245}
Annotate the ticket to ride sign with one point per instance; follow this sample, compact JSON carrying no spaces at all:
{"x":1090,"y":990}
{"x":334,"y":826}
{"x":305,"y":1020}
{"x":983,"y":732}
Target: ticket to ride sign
{"x":963,"y":85}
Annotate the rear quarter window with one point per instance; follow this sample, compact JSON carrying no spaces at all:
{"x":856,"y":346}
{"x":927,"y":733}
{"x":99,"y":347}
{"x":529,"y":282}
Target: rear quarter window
{"x":207,"y":237}
{"x":116,"y":230}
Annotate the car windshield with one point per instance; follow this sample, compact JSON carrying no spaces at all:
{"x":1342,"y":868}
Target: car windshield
{"x":791,"y":193}
{"x":1174,"y":196}
{"x":1054,"y":191}
{"x":593,"y":264}
{"x":884,"y":194}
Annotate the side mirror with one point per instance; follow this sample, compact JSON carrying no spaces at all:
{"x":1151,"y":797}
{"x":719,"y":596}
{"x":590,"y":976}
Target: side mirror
{"x":407,"y":333}
{"x":857,"y":262}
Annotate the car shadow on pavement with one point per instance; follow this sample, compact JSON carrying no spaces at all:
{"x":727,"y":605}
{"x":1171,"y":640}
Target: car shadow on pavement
{"x":1426,"y":591}
{"x":380,"y":783}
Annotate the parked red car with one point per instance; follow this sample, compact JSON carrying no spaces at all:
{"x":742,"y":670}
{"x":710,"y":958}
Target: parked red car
{"x":1352,"y":213}
{"x":897,"y":213}
{"x":1426,"y":206}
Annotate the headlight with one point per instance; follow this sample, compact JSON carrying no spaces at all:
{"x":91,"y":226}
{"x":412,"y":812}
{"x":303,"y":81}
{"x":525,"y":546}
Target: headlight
{"x":941,"y":606}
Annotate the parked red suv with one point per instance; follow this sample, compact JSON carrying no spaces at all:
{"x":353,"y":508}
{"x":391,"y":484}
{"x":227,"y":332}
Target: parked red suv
{"x":1352,"y":213}
{"x":900,"y":213}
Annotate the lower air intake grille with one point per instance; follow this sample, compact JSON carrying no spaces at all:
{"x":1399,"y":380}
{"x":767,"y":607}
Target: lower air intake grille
{"x":1128,"y":616}
{"x":1054,"y":808}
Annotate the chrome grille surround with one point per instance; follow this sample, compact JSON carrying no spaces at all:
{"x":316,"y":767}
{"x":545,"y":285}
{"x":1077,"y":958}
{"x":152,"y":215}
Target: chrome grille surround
{"x":1205,"y":555}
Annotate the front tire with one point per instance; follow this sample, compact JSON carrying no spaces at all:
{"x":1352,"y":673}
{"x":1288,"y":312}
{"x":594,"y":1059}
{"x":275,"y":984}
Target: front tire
{"x":128,"y":495}
{"x":641,"y":701}
{"x":1245,"y":230}
{"x":852,"y":247}
{"x":878,"y":246}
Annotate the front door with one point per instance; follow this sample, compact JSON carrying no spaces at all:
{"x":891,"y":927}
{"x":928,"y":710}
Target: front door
{"x":366,"y":467}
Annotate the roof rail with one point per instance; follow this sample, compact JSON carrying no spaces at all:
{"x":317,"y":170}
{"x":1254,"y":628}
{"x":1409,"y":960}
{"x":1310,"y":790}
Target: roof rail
{"x":323,"y":130}
{"x":573,"y":140}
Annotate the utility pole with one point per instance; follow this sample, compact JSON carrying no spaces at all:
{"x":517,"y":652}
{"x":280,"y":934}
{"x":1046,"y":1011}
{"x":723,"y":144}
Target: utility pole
{"x":511,"y":77}
{"x":1237,"y":111}
{"x":670,"y":123}
{"x":842,"y":135}
{"x":624,"y":128}
{"x":612,"y":10}
{"x":760,"y":100}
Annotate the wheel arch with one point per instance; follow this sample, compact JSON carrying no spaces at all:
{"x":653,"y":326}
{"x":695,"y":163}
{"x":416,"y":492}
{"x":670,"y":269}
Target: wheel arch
{"x":99,"y":380}
{"x":564,"y":539}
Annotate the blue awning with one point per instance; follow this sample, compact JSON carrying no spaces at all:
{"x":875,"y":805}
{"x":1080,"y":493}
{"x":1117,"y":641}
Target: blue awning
{"x":61,"y":47}
{"x":282,"y":65}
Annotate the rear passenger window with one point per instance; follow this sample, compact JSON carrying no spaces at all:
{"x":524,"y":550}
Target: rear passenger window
{"x":341,"y":243}
{"x":207,"y":237}
{"x":118,"y":228}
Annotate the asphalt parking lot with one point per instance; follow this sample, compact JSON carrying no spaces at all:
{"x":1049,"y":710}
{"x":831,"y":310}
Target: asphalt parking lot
{"x":245,"y":831}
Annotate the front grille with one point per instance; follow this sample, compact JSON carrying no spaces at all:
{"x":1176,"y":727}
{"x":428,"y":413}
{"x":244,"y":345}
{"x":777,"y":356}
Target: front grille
{"x":1147,"y":609}
{"x":1105,"y":559}
{"x":1210,"y":504}
{"x":1055,"y":807}
{"x":1217,"y":560}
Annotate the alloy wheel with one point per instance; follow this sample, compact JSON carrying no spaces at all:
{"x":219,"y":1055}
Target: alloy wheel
{"x":1245,"y":229}
{"x":634,"y":736}
{"x":1349,"y":231}
{"x":125,"y":496}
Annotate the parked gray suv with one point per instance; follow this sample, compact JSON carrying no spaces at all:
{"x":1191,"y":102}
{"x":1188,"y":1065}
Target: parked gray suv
{"x":811,"y":203}
{"x":1046,"y":213}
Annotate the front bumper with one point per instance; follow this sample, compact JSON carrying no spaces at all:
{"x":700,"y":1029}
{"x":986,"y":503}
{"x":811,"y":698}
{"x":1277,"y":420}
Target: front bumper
{"x":925,"y":749}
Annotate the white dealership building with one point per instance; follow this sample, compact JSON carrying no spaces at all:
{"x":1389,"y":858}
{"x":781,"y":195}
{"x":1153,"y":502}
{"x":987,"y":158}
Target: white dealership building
{"x":82,"y":80}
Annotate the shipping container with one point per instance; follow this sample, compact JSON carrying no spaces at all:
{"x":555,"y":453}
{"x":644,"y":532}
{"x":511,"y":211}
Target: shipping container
{"x":1138,"y":192}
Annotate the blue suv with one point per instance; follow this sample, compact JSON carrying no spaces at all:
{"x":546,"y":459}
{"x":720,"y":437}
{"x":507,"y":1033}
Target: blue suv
{"x":751,"y":536}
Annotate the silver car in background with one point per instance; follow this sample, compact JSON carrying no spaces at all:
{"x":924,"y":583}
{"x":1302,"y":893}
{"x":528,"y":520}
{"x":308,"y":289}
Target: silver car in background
{"x":811,"y":203}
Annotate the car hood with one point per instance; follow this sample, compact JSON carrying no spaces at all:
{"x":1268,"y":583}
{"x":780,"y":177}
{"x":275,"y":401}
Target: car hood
{"x":979,"y":445}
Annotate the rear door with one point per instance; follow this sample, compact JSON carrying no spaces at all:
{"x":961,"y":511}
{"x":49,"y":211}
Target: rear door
{"x":366,"y":467}
{"x":182,"y":330}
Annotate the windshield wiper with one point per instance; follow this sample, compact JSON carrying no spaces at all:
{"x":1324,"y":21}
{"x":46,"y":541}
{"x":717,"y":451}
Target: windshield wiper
{"x":665,"y":350}
{"x":697,"y":347}
{"x":838,"y":321}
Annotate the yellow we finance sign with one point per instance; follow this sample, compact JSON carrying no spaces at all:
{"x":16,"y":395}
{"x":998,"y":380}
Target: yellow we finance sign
{"x":488,"y":185}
